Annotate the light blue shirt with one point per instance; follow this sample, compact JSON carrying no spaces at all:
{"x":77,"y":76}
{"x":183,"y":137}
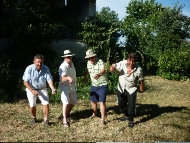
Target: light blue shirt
{"x":36,"y":79}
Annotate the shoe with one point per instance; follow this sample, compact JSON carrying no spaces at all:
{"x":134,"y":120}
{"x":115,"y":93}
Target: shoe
{"x":131,"y":124}
{"x":124,"y":118}
{"x":66,"y":125}
{"x":69,"y":118}
{"x":46,"y":123}
{"x":34,"y":120}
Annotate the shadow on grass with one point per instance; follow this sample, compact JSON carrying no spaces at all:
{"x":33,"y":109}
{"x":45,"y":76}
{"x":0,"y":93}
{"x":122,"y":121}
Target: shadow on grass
{"x":153,"y":110}
{"x":77,"y":115}
{"x":150,"y":111}
{"x":83,"y":114}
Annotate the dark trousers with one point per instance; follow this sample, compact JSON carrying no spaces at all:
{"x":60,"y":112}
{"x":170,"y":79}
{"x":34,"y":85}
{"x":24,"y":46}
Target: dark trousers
{"x":127,"y":103}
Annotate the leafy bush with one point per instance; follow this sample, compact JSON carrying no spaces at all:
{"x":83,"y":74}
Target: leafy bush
{"x":175,"y":64}
{"x":3,"y":95}
{"x":55,"y":98}
{"x":112,"y":82}
{"x":83,"y":88}
{"x":5,"y":76}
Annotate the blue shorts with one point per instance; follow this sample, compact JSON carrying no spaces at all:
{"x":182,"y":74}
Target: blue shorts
{"x":98,"y":94}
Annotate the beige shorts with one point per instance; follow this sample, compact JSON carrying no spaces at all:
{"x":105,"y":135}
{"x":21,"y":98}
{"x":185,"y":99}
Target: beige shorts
{"x":69,"y":97}
{"x":42,"y":95}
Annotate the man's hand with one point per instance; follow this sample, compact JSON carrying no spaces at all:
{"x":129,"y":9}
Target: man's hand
{"x":70,"y":79}
{"x":35,"y":93}
{"x":96,"y":76}
{"x":113,"y":67}
{"x":53,"y":91}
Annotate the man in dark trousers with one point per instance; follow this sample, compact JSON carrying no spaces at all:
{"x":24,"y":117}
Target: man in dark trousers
{"x":130,"y":74}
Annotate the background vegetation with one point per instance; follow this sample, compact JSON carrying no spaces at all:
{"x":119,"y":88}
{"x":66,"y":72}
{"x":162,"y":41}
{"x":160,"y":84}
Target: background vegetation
{"x":158,"y":35}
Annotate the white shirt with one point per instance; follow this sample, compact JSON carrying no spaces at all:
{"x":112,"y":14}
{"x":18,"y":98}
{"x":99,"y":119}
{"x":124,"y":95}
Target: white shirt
{"x":128,"y":82}
{"x":66,"y":70}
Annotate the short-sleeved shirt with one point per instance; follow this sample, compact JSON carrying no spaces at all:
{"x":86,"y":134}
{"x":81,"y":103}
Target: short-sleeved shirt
{"x":96,"y":69}
{"x":128,"y":82}
{"x":36,"y":79}
{"x":66,"y":70}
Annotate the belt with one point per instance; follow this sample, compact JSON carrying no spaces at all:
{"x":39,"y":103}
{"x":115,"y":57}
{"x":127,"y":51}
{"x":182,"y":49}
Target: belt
{"x":37,"y":89}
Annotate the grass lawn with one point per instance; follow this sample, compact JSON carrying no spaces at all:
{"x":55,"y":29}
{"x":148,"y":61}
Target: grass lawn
{"x":163,"y":114}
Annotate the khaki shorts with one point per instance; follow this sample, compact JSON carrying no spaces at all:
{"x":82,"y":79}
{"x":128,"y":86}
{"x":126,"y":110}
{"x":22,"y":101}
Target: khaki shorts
{"x":42,"y":95}
{"x":68,"y":97}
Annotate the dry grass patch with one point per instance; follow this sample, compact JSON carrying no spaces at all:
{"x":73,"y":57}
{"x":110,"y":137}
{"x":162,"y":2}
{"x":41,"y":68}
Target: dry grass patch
{"x":163,"y":113}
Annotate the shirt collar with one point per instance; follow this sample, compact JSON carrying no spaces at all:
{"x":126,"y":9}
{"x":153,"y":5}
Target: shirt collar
{"x":68,"y":64}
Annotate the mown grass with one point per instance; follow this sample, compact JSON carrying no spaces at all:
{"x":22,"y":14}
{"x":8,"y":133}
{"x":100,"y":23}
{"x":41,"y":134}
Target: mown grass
{"x":163,"y":114}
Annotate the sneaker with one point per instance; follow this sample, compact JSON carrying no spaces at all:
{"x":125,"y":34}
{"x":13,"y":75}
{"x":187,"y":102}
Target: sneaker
{"x":34,"y":120}
{"x":124,"y":118}
{"x":46,"y":123}
{"x":131,"y":124}
{"x":68,"y":118}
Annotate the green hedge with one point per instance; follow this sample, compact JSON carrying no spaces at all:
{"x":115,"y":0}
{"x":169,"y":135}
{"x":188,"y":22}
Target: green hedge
{"x":175,"y":64}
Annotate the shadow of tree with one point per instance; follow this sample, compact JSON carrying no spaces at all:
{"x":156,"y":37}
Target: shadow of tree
{"x":153,"y":110}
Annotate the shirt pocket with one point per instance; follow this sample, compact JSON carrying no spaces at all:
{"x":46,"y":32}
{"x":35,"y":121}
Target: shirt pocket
{"x":42,"y":79}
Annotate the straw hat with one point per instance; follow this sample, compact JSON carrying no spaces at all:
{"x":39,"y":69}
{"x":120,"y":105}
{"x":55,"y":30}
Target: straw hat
{"x":90,"y":53}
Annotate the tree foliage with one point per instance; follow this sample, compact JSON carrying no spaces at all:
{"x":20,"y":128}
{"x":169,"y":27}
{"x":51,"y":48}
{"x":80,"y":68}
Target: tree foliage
{"x":103,"y":33}
{"x":29,"y":25}
{"x":175,"y":64}
{"x":152,"y":28}
{"x":31,"y":29}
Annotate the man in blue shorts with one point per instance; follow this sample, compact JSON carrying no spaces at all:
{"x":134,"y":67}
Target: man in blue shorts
{"x":98,"y":90}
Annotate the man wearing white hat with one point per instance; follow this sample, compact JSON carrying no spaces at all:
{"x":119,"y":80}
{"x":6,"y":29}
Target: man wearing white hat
{"x":98,"y":90}
{"x":68,"y":85}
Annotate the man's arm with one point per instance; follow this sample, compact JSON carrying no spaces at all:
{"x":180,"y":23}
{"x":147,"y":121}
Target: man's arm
{"x":86,"y":74}
{"x":141,"y":84}
{"x":50,"y":82}
{"x":112,"y":67}
{"x":96,"y":76}
{"x":27,"y":84}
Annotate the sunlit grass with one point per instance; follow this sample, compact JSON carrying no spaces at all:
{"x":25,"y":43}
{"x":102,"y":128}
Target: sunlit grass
{"x":163,"y":113}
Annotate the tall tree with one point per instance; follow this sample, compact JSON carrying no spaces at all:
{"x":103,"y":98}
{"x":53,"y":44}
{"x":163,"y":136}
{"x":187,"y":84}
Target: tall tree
{"x":102,"y":33}
{"x":151,"y":28}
